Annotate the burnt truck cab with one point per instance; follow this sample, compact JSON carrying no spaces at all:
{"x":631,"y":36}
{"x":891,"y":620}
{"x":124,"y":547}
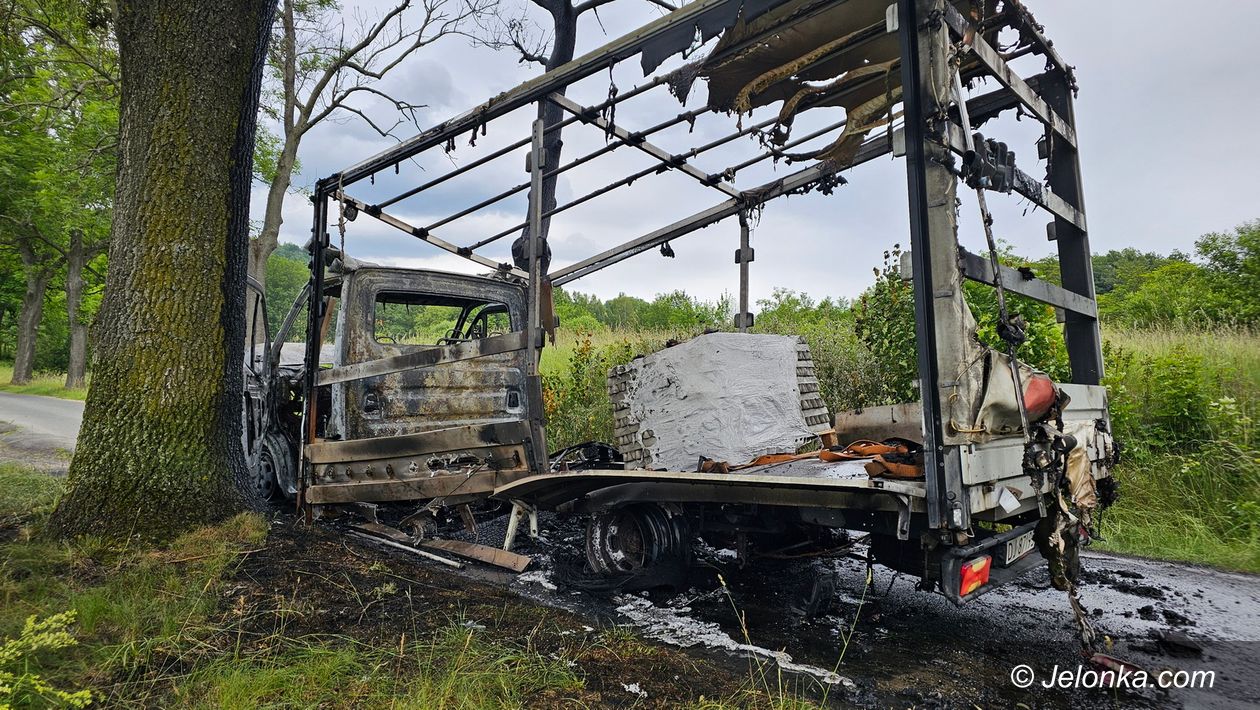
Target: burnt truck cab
{"x":450,"y":431}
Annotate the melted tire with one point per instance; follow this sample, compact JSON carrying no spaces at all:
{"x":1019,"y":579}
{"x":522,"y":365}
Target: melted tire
{"x":645,"y":544}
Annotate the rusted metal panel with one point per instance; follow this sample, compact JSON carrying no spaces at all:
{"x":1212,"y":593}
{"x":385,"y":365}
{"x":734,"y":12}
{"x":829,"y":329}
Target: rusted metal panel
{"x":877,"y":423}
{"x":439,"y":486}
{"x":403,"y":445}
{"x":430,"y":357}
{"x":487,"y":389}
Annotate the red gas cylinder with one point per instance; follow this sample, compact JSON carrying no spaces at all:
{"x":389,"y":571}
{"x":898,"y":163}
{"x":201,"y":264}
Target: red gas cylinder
{"x":1039,"y":396}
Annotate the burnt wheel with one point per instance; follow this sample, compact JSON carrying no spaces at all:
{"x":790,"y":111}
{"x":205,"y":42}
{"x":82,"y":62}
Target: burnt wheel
{"x":270,"y":474}
{"x":638,"y":540}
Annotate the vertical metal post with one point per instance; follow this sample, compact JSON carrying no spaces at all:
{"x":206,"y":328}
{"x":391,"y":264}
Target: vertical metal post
{"x":916,"y":38}
{"x":533,"y":326}
{"x":744,"y":257}
{"x":1084,"y":343}
{"x":314,"y":319}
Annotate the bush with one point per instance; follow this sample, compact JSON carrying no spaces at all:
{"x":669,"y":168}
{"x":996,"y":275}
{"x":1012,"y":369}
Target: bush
{"x":21,"y":685}
{"x":575,"y":396}
{"x":884,"y":320}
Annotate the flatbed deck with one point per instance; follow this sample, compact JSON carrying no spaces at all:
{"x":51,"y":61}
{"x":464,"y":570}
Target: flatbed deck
{"x":808,"y":483}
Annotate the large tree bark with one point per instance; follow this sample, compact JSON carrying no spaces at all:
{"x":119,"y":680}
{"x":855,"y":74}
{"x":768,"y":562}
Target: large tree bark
{"x":160,"y":445}
{"x":76,"y":261}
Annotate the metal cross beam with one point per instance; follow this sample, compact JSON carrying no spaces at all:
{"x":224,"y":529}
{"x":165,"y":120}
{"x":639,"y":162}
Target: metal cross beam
{"x":668,"y":159}
{"x":796,"y":182}
{"x":424,"y":236}
{"x":1007,"y":77}
{"x":541,"y":86}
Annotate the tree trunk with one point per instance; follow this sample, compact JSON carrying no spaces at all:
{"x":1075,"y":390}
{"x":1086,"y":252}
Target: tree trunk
{"x":160,"y":446}
{"x":76,"y":260}
{"x":268,"y":238}
{"x":32,"y":313}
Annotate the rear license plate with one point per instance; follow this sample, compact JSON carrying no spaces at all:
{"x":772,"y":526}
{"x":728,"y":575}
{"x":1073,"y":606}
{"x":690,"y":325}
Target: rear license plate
{"x":1016,"y":549}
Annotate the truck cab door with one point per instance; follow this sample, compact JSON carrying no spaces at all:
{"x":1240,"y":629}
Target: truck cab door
{"x":389,"y":312}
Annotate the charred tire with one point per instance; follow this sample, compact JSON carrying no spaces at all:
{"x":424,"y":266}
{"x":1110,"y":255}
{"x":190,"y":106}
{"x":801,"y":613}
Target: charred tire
{"x":820,"y":591}
{"x":271,"y":475}
{"x":637,"y":540}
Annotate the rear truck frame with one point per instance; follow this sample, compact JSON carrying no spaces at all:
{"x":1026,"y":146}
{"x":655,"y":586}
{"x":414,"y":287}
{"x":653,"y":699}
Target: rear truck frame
{"x":1003,"y":488}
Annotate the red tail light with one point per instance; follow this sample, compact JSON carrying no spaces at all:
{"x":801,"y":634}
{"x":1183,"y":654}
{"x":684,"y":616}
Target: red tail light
{"x":975,"y":574}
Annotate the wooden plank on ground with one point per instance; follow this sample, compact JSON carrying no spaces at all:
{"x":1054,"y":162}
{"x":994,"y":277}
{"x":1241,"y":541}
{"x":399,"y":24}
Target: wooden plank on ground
{"x":481,"y":553}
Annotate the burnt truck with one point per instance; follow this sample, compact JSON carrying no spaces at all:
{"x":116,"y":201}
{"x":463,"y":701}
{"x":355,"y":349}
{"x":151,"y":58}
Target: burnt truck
{"x":993,"y":471}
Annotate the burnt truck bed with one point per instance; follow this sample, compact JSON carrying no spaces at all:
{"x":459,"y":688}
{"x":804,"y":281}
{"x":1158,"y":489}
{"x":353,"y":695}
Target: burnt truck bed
{"x":988,"y":469}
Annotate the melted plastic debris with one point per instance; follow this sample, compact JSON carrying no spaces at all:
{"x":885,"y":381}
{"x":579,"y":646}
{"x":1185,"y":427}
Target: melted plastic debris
{"x":673,"y":626}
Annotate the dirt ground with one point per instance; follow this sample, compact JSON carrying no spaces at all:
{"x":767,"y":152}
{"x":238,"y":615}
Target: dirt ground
{"x":904,"y":648}
{"x":317,"y":580}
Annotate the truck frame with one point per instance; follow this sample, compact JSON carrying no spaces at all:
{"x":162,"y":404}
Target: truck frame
{"x":462,"y":420}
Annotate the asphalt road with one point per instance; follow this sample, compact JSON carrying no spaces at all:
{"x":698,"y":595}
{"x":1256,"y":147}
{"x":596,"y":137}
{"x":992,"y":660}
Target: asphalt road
{"x":43,"y":424}
{"x":900,"y":647}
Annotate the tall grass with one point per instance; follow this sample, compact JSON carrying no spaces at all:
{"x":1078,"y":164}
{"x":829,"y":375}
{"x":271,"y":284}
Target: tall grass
{"x":1185,"y":404}
{"x":47,"y":384}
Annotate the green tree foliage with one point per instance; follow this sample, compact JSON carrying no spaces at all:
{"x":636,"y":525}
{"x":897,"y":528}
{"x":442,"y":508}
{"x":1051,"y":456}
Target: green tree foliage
{"x":1219,"y":286}
{"x":849,"y":375}
{"x":1232,"y":261}
{"x":675,"y":312}
{"x":58,"y":132}
{"x":287,"y":273}
{"x":576,"y":400}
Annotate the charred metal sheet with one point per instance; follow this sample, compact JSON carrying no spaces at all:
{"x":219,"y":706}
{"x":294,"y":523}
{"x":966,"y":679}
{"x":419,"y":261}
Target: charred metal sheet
{"x":442,"y":440}
{"x":590,"y":490}
{"x":978,"y":268}
{"x":439,"y":486}
{"x":430,"y":357}
{"x":490,"y":388}
{"x":878,"y":423}
{"x":481,"y":553}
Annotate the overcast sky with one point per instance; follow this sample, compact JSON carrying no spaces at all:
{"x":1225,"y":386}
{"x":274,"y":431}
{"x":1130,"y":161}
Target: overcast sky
{"x":1165,"y":119}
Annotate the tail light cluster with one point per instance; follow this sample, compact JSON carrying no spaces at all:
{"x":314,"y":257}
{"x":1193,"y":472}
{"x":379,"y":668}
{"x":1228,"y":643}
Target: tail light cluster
{"x":974,"y":574}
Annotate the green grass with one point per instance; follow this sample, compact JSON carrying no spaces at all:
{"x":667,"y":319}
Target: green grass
{"x":457,"y":667}
{"x":1165,"y":512}
{"x":1195,"y":500}
{"x":47,"y":384}
{"x":25,"y":489}
{"x":150,"y":629}
{"x":148,"y":633}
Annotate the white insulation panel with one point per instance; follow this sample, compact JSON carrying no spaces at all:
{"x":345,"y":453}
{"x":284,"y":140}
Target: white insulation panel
{"x":728,"y":396}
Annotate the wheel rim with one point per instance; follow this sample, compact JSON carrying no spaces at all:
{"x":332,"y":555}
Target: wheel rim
{"x":265,"y":474}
